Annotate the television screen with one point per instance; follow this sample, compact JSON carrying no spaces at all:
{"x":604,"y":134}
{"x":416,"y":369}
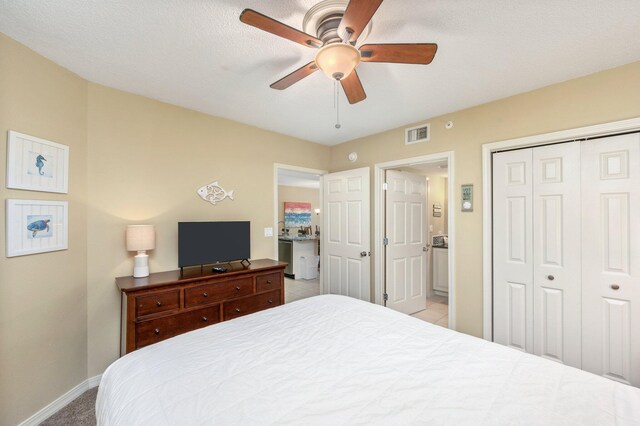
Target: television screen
{"x":203,"y":243}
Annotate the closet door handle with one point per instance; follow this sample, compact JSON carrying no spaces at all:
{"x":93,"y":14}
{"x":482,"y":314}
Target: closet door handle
{"x":615,"y":287}
{"x":551,"y":277}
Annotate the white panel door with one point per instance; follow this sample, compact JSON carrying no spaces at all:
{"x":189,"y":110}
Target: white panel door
{"x":611,"y":257}
{"x":556,"y":253}
{"x":513,"y":249}
{"x":406,"y":252}
{"x":346,"y":250}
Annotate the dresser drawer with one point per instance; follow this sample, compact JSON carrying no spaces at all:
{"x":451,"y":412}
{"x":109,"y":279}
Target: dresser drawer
{"x":238,"y":308}
{"x":268,"y":282}
{"x":216,"y":292}
{"x":157,"y":302}
{"x":153,"y":331}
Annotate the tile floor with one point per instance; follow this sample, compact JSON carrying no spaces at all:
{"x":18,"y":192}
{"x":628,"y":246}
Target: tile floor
{"x":300,"y":289}
{"x":437,"y":311}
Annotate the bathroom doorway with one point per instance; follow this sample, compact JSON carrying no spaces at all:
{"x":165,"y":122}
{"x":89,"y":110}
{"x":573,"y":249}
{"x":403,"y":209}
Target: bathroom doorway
{"x":414,"y":230}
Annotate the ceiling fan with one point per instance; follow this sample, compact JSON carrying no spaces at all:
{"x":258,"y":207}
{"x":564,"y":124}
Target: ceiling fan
{"x":337,"y":32}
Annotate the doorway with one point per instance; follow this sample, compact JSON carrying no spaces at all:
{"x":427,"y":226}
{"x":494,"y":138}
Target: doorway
{"x":298,"y":219}
{"x":414,"y":237}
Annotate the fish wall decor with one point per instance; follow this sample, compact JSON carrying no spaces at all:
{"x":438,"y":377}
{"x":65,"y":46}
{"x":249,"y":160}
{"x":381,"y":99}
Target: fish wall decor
{"x":214,"y":193}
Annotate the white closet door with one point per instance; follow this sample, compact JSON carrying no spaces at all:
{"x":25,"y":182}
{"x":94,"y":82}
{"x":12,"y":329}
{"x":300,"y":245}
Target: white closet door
{"x":556,"y":253}
{"x":611,"y":257}
{"x":513,"y":249}
{"x":346,"y":242}
{"x":406,"y":253}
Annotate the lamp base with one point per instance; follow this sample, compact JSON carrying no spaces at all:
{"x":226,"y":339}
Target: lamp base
{"x":141,"y":265}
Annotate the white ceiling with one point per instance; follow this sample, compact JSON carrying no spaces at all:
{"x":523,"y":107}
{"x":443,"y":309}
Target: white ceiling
{"x":197,"y":54}
{"x":299,"y":179}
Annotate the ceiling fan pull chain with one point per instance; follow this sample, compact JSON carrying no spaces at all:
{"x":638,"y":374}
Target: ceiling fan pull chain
{"x":337,"y":104}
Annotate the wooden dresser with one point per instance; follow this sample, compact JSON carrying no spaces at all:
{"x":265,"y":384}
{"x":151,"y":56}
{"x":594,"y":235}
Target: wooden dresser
{"x":166,"y":304}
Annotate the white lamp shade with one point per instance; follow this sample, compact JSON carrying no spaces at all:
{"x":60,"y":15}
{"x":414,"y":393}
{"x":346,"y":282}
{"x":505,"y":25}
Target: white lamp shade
{"x":337,"y":60}
{"x":141,"y":237}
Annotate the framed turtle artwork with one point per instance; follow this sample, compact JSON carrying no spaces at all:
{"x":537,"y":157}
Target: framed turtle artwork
{"x":36,"y":226}
{"x":36,"y":164}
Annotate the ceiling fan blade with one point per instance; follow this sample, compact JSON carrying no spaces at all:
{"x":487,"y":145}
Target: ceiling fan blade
{"x":356,"y":17}
{"x":295,"y":76}
{"x":404,"y":53}
{"x":353,"y":88}
{"x":270,"y":25}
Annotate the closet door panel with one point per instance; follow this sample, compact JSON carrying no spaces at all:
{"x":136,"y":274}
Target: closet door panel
{"x":556,"y":253}
{"x":611,"y":257}
{"x":513,"y":250}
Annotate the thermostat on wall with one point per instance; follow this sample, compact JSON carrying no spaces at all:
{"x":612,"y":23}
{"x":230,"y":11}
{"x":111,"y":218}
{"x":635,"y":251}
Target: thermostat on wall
{"x":467,"y":198}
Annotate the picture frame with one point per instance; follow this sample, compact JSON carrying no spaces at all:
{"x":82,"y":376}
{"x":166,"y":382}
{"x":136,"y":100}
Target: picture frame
{"x":36,"y":164}
{"x":297,"y":214}
{"x":36,"y":226}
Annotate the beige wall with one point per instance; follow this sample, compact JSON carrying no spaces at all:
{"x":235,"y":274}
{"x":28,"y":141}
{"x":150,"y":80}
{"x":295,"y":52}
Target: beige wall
{"x":599,"y":98}
{"x":133,"y":160}
{"x":43,"y":297}
{"x":146,"y":160}
{"x":302,"y":195}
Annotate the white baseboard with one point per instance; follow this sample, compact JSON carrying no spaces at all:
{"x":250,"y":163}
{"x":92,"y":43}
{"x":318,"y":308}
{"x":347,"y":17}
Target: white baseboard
{"x":62,"y":401}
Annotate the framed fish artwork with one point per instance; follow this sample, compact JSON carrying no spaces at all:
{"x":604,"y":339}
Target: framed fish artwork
{"x":36,"y":226}
{"x":297,"y":214}
{"x":36,"y":164}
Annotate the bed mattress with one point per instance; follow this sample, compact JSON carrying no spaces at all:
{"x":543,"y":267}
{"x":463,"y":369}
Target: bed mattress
{"x":337,"y":360}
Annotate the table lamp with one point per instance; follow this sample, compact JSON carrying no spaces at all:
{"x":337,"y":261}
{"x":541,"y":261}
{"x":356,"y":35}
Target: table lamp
{"x":141,"y":238}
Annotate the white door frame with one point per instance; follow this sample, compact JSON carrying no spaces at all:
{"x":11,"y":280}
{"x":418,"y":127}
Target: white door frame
{"x":379,"y":220}
{"x":276,"y":168}
{"x":487,"y":215}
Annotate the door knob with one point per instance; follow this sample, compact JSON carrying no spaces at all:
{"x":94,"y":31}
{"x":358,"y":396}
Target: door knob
{"x":615,"y":286}
{"x":551,"y":277}
{"x":425,"y":248}
{"x":363,"y":254}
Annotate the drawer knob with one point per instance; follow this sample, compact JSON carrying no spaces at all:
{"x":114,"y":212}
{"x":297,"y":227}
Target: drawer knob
{"x":270,"y":301}
{"x":268,"y":281}
{"x":551,"y":277}
{"x":205,"y":294}
{"x":158,"y":303}
{"x":205,"y":319}
{"x":157,"y":331}
{"x":615,"y":287}
{"x":237,"y":288}
{"x":237,"y":309}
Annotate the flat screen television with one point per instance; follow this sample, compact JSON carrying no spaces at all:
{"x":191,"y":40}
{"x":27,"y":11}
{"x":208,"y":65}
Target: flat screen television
{"x":205,"y":243}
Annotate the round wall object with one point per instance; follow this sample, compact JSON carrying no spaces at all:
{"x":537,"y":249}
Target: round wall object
{"x":353,"y":156}
{"x":449,"y":125}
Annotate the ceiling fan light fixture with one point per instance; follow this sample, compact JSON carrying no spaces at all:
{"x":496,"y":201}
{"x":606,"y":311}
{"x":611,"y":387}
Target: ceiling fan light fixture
{"x":337,"y":60}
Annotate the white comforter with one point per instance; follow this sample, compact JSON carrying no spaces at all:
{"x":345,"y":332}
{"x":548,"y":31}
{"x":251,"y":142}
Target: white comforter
{"x":337,"y":360}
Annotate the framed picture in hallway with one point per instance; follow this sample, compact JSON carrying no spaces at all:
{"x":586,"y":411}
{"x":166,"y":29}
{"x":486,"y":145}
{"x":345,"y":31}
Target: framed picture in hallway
{"x":36,"y":164}
{"x":36,"y":226}
{"x":297,"y":214}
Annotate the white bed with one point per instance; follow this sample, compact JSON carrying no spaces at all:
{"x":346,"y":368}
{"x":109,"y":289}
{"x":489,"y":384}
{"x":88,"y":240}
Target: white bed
{"x":337,"y":360}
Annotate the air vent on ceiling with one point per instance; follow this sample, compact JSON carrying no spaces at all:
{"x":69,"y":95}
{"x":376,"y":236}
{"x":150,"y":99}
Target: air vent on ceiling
{"x":417,"y":134}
